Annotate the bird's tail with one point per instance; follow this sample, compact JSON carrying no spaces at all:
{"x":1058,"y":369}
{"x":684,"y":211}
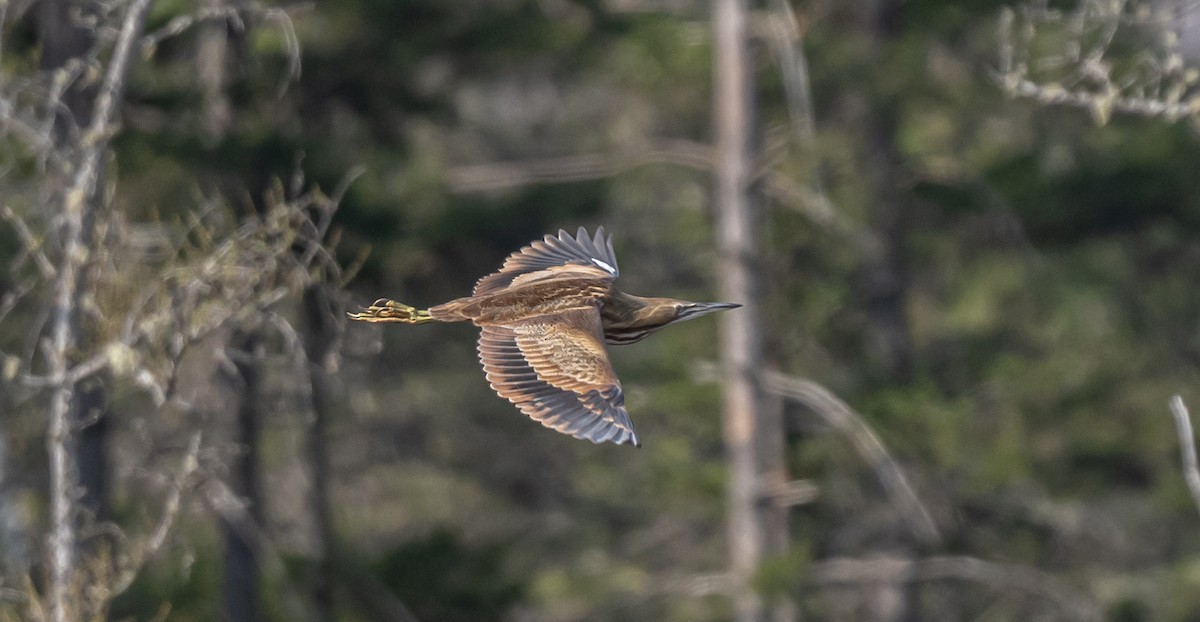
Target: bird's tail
{"x":384,"y":310}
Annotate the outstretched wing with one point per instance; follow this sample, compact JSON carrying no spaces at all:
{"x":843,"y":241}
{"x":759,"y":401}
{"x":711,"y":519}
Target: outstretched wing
{"x":555,"y":369}
{"x":553,"y":257}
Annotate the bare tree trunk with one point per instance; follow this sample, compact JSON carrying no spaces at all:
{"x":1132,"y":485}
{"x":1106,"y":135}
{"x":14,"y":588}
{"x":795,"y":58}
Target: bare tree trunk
{"x":240,"y":530}
{"x":752,"y":421}
{"x":212,"y":57}
{"x":321,"y":345}
{"x":62,"y":33}
{"x":63,"y":40}
{"x":15,"y":556}
{"x":885,"y":279}
{"x":90,"y":418}
{"x":64,"y":37}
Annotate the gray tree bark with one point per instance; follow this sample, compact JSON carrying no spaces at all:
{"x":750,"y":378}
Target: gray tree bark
{"x":86,"y":144}
{"x":63,"y":40}
{"x":752,"y":424}
{"x":320,"y":346}
{"x":63,"y":37}
{"x":885,"y":278}
{"x":240,"y":530}
{"x":212,"y":61}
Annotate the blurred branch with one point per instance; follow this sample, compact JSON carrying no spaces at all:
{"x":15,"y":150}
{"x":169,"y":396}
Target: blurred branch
{"x":370,"y":594}
{"x":788,"y":41}
{"x":1187,"y":447}
{"x":837,"y":414}
{"x":1061,"y":57}
{"x":235,"y":15}
{"x":566,"y":169}
{"x":995,"y":575}
{"x":232,"y":14}
{"x":885,"y":570}
{"x":681,"y":9}
{"x":104,"y":118}
{"x":254,"y":266}
{"x":792,"y":493}
{"x":9,"y":300}
{"x":39,"y":141}
{"x":810,"y":202}
{"x":70,"y":376}
{"x":699,"y":585}
{"x":32,"y":245}
{"x":782,"y":31}
{"x":1101,"y":105}
{"x":187,"y":468}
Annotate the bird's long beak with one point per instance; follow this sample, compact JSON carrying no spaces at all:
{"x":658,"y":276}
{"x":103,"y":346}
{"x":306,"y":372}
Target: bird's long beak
{"x":697,"y":309}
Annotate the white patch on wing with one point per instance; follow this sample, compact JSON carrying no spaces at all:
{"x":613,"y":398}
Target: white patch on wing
{"x":611,"y":270}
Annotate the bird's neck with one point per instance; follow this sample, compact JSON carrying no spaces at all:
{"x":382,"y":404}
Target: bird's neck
{"x":634,"y":316}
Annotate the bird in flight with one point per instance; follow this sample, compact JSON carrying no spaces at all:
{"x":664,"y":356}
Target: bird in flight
{"x":544,"y":318}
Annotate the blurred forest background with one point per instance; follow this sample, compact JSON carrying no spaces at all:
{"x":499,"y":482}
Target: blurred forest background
{"x":972,"y":237}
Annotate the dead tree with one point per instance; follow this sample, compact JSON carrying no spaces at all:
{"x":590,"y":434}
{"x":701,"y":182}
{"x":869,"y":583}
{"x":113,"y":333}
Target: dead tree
{"x":752,"y":424}
{"x":240,"y":530}
{"x":207,"y":276}
{"x":83,"y":171}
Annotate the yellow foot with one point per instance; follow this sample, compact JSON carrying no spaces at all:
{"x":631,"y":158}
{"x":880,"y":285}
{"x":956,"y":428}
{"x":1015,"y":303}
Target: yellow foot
{"x":384,"y":310}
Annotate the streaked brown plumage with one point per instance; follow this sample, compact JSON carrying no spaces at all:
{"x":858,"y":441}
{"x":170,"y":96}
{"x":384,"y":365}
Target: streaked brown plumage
{"x":545,"y":317}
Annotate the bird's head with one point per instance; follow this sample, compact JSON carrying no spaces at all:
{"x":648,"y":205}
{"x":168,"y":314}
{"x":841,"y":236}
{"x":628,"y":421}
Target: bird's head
{"x":659,"y":312}
{"x":685,"y":310}
{"x":628,"y":318}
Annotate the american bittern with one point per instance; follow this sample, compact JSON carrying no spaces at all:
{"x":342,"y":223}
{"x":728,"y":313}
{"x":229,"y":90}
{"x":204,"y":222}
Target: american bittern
{"x":545,"y":316}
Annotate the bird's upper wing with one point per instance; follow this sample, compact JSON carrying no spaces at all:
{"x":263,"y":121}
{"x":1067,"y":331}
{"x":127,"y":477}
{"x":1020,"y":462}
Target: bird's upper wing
{"x":554,"y":257}
{"x":555,"y":369}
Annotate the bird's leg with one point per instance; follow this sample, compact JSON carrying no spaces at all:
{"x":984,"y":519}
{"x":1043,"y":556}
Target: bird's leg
{"x":384,"y":310}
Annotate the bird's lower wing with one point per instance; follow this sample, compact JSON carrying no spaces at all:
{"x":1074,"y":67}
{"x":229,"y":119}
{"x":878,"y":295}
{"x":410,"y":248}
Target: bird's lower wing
{"x":555,"y":369}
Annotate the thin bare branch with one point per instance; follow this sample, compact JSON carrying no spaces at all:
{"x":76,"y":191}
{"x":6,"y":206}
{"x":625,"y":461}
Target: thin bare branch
{"x":69,"y":376}
{"x":789,"y":46}
{"x":809,"y":201}
{"x":326,"y":209}
{"x":104,"y":119}
{"x":792,"y":493}
{"x":32,"y":245}
{"x":841,"y":417}
{"x":284,"y":21}
{"x":235,"y":14}
{"x":1062,"y":57}
{"x":995,"y":575}
{"x":698,"y":585}
{"x":37,"y":140}
{"x":181,"y":23}
{"x":187,"y":468}
{"x":1100,"y":104}
{"x":1187,"y":447}
{"x":14,"y":295}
